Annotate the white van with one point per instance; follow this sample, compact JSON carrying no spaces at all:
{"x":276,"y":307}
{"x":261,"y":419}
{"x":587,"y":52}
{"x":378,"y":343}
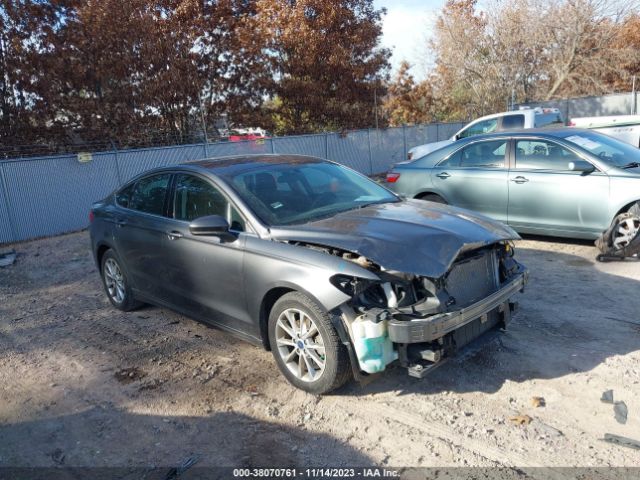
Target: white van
{"x":525,"y":117}
{"x":622,"y":127}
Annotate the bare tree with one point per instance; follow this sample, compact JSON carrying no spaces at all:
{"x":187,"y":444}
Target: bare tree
{"x":529,"y":49}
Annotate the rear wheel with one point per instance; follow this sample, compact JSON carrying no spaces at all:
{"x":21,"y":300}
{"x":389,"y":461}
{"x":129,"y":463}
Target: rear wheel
{"x":116,"y":284}
{"x":432,"y":197}
{"x":305,"y":345}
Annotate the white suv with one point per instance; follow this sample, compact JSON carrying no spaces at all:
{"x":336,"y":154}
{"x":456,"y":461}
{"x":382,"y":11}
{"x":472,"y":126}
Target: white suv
{"x":518,"y":119}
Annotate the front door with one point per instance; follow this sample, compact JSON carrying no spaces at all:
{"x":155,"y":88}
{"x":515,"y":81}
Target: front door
{"x":546,"y":197}
{"x":205,"y":272}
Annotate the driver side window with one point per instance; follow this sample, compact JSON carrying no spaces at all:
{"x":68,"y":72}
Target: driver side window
{"x":543,"y":155}
{"x":195,"y":197}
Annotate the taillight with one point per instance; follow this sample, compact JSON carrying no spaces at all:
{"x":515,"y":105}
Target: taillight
{"x":91,"y":216}
{"x":571,"y":124}
{"x":392,"y":177}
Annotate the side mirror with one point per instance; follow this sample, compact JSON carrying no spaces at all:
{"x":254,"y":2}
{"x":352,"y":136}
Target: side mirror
{"x":213,"y":225}
{"x":581,"y":166}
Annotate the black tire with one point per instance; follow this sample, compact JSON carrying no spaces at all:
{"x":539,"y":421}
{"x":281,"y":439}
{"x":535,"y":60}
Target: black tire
{"x":621,"y":238}
{"x":337,"y":367}
{"x":432,"y":197}
{"x":123,"y":300}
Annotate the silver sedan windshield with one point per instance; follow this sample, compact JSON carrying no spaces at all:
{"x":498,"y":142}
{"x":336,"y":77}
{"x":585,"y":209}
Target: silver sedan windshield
{"x":609,"y":150}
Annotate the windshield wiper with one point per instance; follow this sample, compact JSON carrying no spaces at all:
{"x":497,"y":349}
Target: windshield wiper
{"x":632,"y":165}
{"x":377,"y":202}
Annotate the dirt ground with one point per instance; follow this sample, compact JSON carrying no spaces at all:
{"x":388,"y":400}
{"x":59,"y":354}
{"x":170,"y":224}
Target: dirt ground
{"x":83,"y":384}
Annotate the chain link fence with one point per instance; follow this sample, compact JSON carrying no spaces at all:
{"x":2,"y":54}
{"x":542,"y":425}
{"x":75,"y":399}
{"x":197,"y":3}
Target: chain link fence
{"x":52,"y":195}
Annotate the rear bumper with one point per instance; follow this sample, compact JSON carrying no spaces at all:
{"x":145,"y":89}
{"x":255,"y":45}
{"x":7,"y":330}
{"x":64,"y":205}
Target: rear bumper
{"x":431,"y":328}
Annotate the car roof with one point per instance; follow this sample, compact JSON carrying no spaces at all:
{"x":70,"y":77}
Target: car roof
{"x":233,"y":165}
{"x":240,"y":163}
{"x":556,"y":132}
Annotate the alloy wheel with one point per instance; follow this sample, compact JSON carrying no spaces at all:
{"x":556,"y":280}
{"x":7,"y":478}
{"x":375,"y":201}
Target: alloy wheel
{"x":300,"y":345}
{"x":114,"y":280}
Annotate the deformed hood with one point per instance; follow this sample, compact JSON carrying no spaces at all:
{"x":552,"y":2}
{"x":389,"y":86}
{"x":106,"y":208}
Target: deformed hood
{"x":413,"y":236}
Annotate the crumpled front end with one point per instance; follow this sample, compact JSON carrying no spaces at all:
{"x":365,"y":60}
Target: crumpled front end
{"x":420,"y":321}
{"x":436,"y":278}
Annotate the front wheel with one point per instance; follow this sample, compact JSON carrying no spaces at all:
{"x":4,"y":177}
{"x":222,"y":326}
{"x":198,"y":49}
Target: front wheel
{"x":305,"y":345}
{"x":622,"y":237}
{"x":625,"y":230}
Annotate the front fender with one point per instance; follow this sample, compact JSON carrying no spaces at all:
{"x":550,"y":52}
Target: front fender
{"x":273,"y":264}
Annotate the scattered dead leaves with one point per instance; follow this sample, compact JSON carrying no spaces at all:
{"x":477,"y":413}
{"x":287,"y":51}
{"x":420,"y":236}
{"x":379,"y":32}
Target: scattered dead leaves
{"x":128,"y":375}
{"x":521,"y":420}
{"x":538,"y":402}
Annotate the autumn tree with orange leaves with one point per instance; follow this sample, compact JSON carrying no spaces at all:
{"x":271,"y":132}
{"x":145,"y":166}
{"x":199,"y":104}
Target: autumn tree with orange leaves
{"x":92,"y":72}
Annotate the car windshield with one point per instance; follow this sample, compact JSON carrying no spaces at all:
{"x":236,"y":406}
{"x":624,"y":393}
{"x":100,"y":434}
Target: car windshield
{"x":609,"y":150}
{"x":287,"y":194}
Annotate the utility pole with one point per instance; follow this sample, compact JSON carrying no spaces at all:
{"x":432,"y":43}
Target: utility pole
{"x":204,"y":128}
{"x":375,"y":103}
{"x":634,"y":98}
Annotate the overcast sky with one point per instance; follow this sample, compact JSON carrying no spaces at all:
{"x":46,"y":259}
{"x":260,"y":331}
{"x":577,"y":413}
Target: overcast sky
{"x":406,"y":27}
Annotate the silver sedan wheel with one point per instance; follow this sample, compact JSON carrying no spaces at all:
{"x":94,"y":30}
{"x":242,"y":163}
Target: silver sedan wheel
{"x":300,"y":345}
{"x":625,"y":232}
{"x":114,"y":280}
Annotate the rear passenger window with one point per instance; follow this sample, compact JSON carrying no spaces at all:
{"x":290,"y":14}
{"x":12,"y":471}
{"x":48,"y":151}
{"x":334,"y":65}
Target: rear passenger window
{"x":123,"y":197}
{"x":149,"y":193}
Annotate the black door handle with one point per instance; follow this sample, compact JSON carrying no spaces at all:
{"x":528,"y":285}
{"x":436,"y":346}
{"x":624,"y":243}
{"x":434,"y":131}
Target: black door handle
{"x":443,"y":175}
{"x":520,"y":179}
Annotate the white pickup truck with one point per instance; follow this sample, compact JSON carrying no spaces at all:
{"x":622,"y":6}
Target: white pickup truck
{"x":525,"y":117}
{"x":622,"y":127}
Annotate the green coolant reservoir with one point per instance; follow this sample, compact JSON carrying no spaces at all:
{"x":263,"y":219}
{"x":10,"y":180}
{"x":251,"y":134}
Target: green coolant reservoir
{"x":371,"y":341}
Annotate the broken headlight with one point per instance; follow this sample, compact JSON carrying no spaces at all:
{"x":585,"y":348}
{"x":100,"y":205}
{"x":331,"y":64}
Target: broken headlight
{"x":352,"y":286}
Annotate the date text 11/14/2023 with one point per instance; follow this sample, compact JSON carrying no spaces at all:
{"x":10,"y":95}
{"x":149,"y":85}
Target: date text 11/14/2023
{"x":315,"y":473}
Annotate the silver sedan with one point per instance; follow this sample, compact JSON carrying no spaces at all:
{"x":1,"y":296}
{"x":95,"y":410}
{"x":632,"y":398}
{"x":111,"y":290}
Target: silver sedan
{"x":565,"y":182}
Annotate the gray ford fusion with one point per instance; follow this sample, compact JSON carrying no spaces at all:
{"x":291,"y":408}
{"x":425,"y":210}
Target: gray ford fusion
{"x":333,"y":273}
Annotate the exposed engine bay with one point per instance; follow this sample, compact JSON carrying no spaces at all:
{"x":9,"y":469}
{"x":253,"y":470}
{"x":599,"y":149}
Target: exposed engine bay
{"x":419,"y":320}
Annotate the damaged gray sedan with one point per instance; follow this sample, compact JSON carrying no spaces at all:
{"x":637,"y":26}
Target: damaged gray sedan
{"x":333,"y":273}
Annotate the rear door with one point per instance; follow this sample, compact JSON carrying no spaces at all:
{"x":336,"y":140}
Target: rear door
{"x":475,"y":177}
{"x":546,"y":197}
{"x":140,"y":229}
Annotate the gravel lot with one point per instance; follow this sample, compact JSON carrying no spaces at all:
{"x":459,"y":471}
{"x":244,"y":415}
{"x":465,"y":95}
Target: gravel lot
{"x":84,"y":384}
